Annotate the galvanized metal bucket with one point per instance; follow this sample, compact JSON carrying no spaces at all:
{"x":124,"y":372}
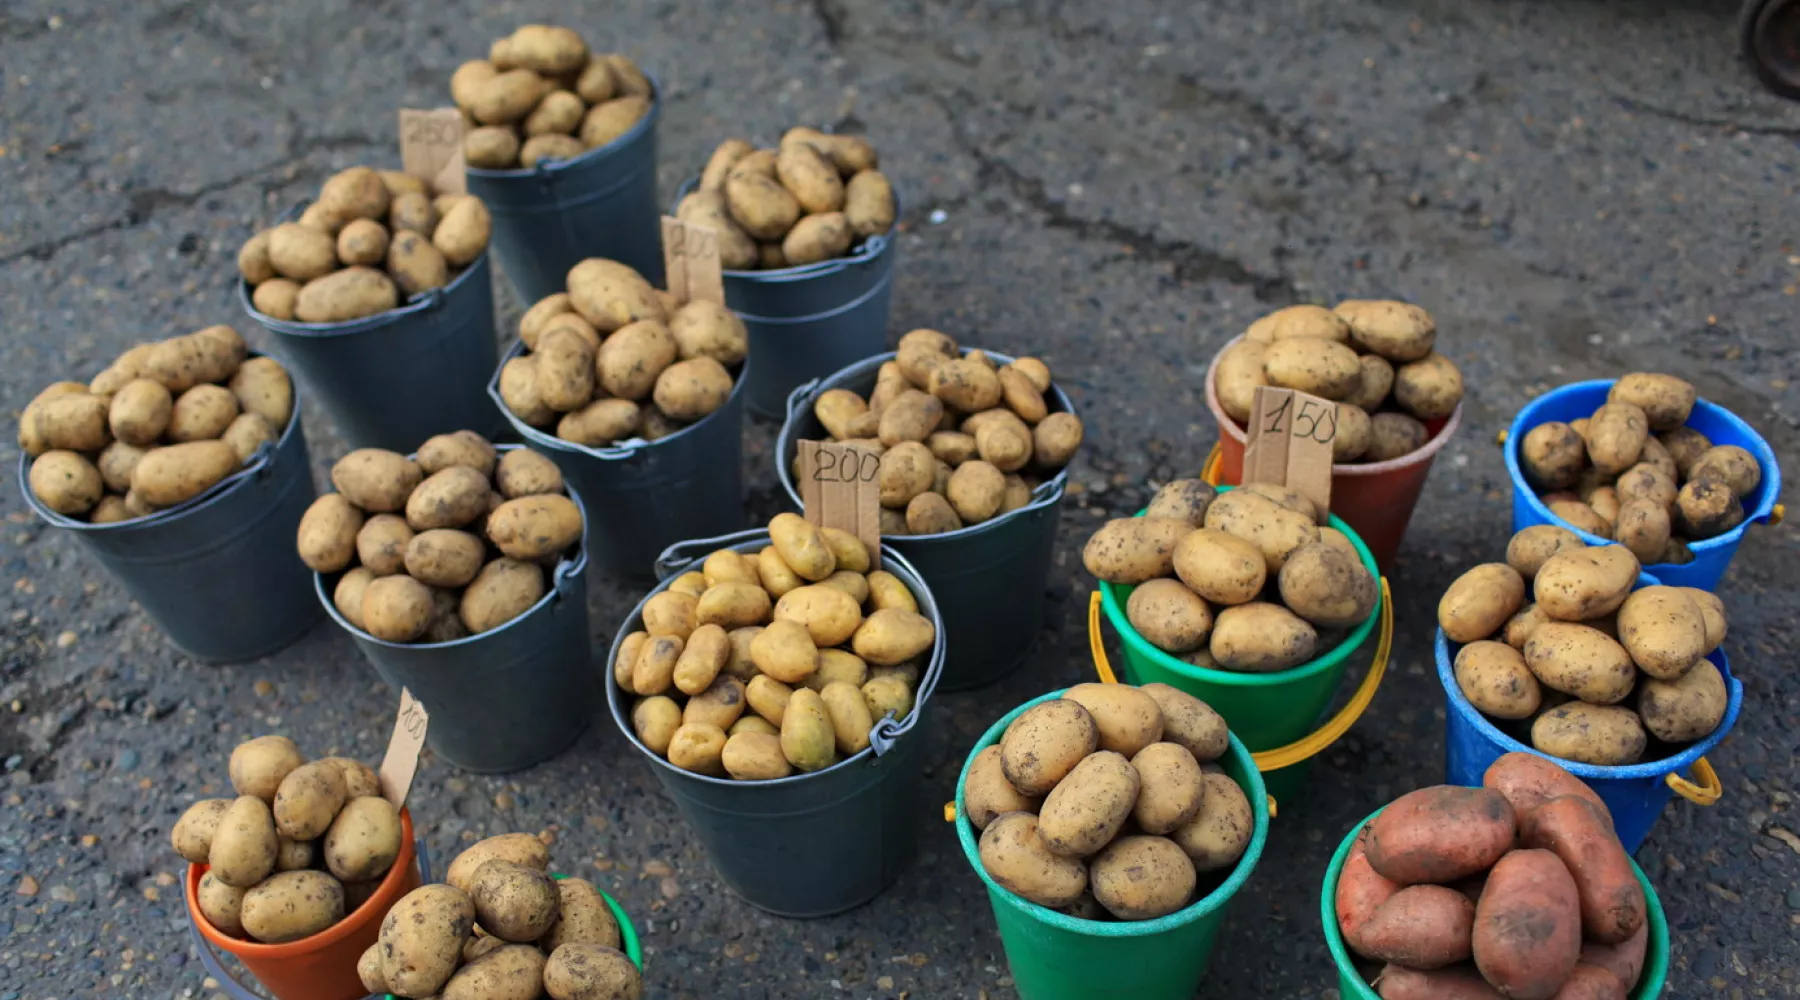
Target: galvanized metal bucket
{"x":648,"y":495}
{"x":507,"y":698}
{"x":806,"y":322}
{"x":550,"y":217}
{"x":811,"y":845}
{"x":989,"y":577}
{"x":218,"y":573}
{"x":396,"y":378}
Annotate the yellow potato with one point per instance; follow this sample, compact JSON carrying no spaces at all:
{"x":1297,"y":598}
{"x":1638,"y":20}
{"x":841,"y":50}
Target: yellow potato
{"x":1298,"y":321}
{"x":724,"y":157}
{"x":755,"y":756}
{"x":1496,"y":680}
{"x":801,"y":547}
{"x":1015,"y":857}
{"x":911,"y":416}
{"x":1045,"y":743}
{"x":140,"y":412}
{"x":1190,"y":722}
{"x":581,"y":971}
{"x":812,"y":180}
{"x":1132,"y":550}
{"x":1706,"y":508}
{"x":1397,"y":331}
{"x":851,"y":719}
{"x":1275,"y":530}
{"x":300,"y":253}
{"x":654,"y":720}
{"x":1480,"y":601}
{"x":966,"y":384}
{"x":891,"y":636}
{"x":308,"y":799}
{"x":1664,"y":630}
{"x":707,"y":208}
{"x":193,"y":834}
{"x":1581,"y":661}
{"x":1089,"y":806}
{"x":1665,"y":399}
{"x":245,"y":843}
{"x":443,"y":557}
{"x":1323,"y":368}
{"x":1615,"y":437}
{"x":328,"y":533}
{"x":869,"y":203}
{"x":290,"y":906}
{"x":533,"y":527}
{"x":1374,"y":385}
{"x":498,"y":972}
{"x":987,"y":795}
{"x":1430,"y":388}
{"x":1688,"y":708}
{"x":168,"y":476}
{"x":513,"y":902}
{"x":1169,"y":615}
{"x":609,"y":121}
{"x":1528,"y":550}
{"x":1239,"y":372}
{"x":1218,"y":835}
{"x":720,"y":705}
{"x":397,"y":608}
{"x":1259,"y":637}
{"x":1327,"y":587}
{"x":785,"y":651}
{"x":760,"y":205}
{"x":72,"y":421}
{"x":830,"y":615}
{"x":222,"y":905}
{"x":201,"y":413}
{"x":1142,"y":878}
{"x":1604,"y":735}
{"x":66,"y":482}
{"x":502,"y":591}
{"x":1054,"y":441}
{"x":422,"y":936}
{"x":808,"y":738}
{"x":1583,"y":584}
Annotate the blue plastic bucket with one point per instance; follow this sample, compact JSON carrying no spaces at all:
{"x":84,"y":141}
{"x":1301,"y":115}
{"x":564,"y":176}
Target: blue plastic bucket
{"x":1635,"y":793}
{"x":550,"y":217}
{"x":1711,"y":556}
{"x":809,"y":321}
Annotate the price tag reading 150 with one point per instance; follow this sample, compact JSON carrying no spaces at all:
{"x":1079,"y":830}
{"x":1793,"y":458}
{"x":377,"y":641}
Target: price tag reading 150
{"x":1290,"y":443}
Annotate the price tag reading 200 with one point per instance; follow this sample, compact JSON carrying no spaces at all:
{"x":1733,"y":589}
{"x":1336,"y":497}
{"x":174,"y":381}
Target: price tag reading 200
{"x":849,"y":465}
{"x":840,"y":488}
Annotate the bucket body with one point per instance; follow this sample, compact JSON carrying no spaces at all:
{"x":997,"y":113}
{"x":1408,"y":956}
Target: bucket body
{"x":218,"y":574}
{"x":394,"y":379}
{"x":989,"y":578}
{"x":811,"y":845}
{"x":1375,"y":498}
{"x":1266,"y":711}
{"x":1352,"y":985}
{"x":809,"y":321}
{"x":1054,"y":956}
{"x":602,"y":203}
{"x":648,"y":495}
{"x":1636,"y":793}
{"x":323,"y":966}
{"x":507,"y":698}
{"x":1712,"y":556}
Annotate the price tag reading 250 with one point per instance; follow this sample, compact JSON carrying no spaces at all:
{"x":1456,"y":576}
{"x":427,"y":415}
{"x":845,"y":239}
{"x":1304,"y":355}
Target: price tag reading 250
{"x":1290,"y":443}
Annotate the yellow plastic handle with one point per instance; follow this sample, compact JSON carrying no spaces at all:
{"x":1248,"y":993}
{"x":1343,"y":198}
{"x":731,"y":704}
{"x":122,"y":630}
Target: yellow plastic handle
{"x":1309,"y":746}
{"x":1707,"y":792}
{"x":1777,"y":514}
{"x":950,"y":812}
{"x":1500,"y":438}
{"x":1209,"y":469}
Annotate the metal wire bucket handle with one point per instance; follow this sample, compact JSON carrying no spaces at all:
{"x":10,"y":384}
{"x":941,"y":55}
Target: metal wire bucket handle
{"x":678,"y":557}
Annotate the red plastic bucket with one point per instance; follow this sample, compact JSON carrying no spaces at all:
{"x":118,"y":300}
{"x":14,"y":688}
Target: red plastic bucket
{"x":1375,"y":498}
{"x":323,"y":966}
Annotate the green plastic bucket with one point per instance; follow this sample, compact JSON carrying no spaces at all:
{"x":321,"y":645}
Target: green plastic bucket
{"x":1054,"y":956}
{"x":1267,"y":711}
{"x":1352,"y":986}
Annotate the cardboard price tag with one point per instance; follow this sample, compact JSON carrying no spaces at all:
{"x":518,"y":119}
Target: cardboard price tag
{"x":840,"y":488}
{"x":1291,"y":434}
{"x":431,"y":148}
{"x":691,"y":262}
{"x":402,"y":760}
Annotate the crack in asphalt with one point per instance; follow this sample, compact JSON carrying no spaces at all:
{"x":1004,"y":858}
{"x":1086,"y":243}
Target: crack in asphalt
{"x":1700,"y":121}
{"x":834,"y":20}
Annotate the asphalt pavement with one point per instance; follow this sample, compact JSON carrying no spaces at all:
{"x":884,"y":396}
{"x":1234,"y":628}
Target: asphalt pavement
{"x":1573,"y":189}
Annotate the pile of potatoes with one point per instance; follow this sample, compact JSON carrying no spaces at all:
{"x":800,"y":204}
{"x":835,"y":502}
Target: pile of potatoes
{"x":1518,"y":890}
{"x":1105,"y":803}
{"x":500,"y":928}
{"x":443,"y":546}
{"x":1597,"y":668}
{"x":1374,"y":358}
{"x":540,"y":95}
{"x":812,"y":199}
{"x":301,"y":847}
{"x":802,"y":633}
{"x":1234,"y":579}
{"x":1634,"y":472}
{"x":613,"y":359}
{"x":164,"y":423}
{"x":962,"y":440}
{"x":373,"y":239}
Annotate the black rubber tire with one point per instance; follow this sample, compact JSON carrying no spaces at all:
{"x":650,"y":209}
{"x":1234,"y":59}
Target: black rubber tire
{"x":1758,"y":24}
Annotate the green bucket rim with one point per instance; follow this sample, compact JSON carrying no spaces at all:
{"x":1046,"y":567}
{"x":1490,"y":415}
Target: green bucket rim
{"x":1656,"y":952}
{"x":628,"y":938}
{"x":1138,"y":645}
{"x":1205,"y":905}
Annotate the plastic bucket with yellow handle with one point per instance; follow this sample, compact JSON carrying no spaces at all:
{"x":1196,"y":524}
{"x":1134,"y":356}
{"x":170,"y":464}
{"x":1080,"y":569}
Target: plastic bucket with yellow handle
{"x":1275,"y":714}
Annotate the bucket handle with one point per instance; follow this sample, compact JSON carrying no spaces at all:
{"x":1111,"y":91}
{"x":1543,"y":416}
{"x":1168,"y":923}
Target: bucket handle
{"x":1209,"y":469}
{"x":798,"y":395}
{"x":1706,"y":792}
{"x":678,"y":557}
{"x":1308,"y":746}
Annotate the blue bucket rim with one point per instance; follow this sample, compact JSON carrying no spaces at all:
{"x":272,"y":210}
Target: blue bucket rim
{"x":872,"y":247}
{"x":610,"y":453}
{"x":565,"y":574}
{"x":1655,"y":916}
{"x":258,"y":464}
{"x":1048,"y":493}
{"x":548,"y":169}
{"x":1765,"y":457}
{"x":1211,"y":902}
{"x":1651,"y":770}
{"x":619,"y":702}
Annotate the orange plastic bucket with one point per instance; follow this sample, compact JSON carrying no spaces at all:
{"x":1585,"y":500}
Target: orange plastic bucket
{"x":321,"y":967}
{"x":1375,"y":498}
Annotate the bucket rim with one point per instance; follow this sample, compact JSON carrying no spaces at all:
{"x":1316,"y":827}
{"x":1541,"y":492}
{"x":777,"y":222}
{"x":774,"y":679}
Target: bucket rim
{"x":549,"y":169}
{"x":873,"y":248}
{"x":1770,"y":487}
{"x":1332,"y":658}
{"x":259,"y":463}
{"x":614,"y":452}
{"x":402,"y":869}
{"x":429,"y":299}
{"x":1422,"y":455}
{"x":1047,"y":494}
{"x":1656,"y":955}
{"x":1212,"y":902}
{"x":564,"y":576}
{"x":892,"y":561}
{"x":1653,"y":770}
